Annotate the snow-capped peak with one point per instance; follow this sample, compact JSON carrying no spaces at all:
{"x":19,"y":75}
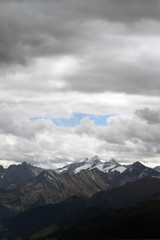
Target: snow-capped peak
{"x":94,"y":162}
{"x":113,"y":161}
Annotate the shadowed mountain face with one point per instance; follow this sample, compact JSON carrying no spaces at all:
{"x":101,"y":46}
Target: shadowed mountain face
{"x":17,"y":174}
{"x":138,"y":171}
{"x":139,"y":222}
{"x":50,"y":187}
{"x":77,"y":209}
{"x":80,"y":199}
{"x":123,"y":173}
{"x":157,"y":168}
{"x":126,"y":195}
{"x":1,"y":170}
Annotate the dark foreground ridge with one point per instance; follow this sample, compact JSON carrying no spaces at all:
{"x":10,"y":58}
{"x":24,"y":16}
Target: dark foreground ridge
{"x":86,"y":204}
{"x":90,"y":216}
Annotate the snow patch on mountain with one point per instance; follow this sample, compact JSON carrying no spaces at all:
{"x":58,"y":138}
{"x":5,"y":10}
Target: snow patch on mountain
{"x":89,"y":164}
{"x":119,"y":169}
{"x":84,"y":167}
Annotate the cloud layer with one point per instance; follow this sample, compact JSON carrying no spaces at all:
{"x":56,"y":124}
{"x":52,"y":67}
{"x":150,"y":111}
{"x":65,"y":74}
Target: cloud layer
{"x":107,"y":45}
{"x":43,"y":143}
{"x":96,"y":57}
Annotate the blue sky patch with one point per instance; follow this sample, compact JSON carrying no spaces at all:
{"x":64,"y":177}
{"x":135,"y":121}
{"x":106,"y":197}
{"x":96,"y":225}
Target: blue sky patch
{"x":99,"y":120}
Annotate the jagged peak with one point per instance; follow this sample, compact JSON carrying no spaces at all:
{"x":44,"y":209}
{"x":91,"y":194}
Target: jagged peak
{"x":93,"y":160}
{"x":84,"y":160}
{"x":24,"y":164}
{"x":136,"y":166}
{"x":113,"y":161}
{"x":137,"y":163}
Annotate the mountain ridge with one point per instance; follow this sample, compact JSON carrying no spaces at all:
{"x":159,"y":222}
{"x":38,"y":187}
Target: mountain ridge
{"x":14,"y":175}
{"x":76,"y":209}
{"x":52,"y":187}
{"x":94,"y":162}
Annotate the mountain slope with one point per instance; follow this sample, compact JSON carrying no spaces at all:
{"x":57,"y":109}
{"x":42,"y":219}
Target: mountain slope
{"x":76,"y":209}
{"x":50,"y":187}
{"x":17,"y":174}
{"x":138,"y":171}
{"x":126,"y":195}
{"x":138,"y":222}
{"x":157,"y":168}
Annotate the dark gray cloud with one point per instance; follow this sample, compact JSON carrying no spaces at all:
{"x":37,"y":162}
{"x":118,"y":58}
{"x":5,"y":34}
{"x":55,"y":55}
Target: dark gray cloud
{"x":131,"y":78}
{"x":36,"y":28}
{"x":125,"y":11}
{"x":133,"y":136}
{"x":89,"y":56}
{"x":29,"y":29}
{"x":151,"y":116}
{"x":116,"y":50}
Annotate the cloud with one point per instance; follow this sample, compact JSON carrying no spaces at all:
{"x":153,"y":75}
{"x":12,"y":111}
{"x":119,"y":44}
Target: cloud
{"x":151,"y":116}
{"x":76,"y":118}
{"x":107,"y":46}
{"x":127,"y":137}
{"x":97,"y":57}
{"x":43,"y":143}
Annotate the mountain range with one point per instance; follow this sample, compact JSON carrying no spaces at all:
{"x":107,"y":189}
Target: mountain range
{"x":94,"y":162}
{"x":17,"y":174}
{"x":51,"y":186}
{"x":138,"y":222}
{"x":36,"y":202}
{"x":75,"y":213}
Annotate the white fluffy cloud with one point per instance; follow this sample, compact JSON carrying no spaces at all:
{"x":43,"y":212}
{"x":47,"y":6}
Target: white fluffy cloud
{"x":43,"y":143}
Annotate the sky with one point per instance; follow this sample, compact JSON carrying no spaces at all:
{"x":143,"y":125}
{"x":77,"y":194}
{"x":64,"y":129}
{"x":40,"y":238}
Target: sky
{"x":79,"y":78}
